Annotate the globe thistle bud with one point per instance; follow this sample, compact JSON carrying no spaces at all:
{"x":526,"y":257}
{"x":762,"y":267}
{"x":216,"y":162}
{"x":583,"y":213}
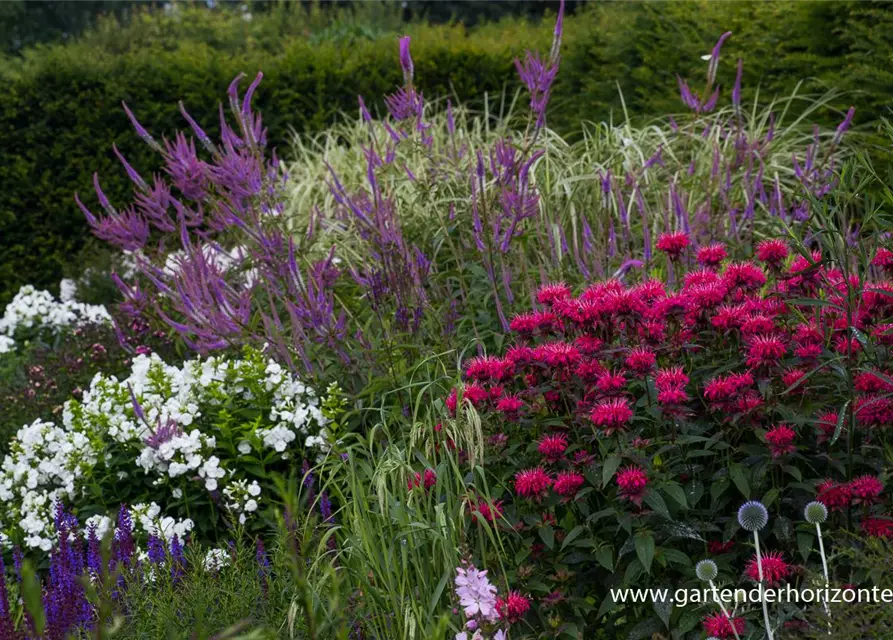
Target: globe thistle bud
{"x":753,"y":516}
{"x":706,"y":570}
{"x":815,"y":512}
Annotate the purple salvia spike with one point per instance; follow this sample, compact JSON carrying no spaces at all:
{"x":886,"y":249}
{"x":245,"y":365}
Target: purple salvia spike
{"x":131,"y":173}
{"x":91,"y":219}
{"x":246,"y":102}
{"x":845,"y":125}
{"x":406,"y":60}
{"x":364,"y":112}
{"x":233,"y":91}
{"x":142,"y":133}
{"x":137,"y":408}
{"x":103,"y":201}
{"x":197,"y":130}
{"x":736,"y":91}
{"x":646,"y":232}
{"x":770,"y":134}
{"x":714,"y":58}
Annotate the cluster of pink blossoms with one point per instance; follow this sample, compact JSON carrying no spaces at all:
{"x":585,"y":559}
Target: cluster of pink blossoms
{"x":734,"y":345}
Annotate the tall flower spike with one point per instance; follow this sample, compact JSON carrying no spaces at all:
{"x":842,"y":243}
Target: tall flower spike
{"x":406,"y":60}
{"x":714,"y":57}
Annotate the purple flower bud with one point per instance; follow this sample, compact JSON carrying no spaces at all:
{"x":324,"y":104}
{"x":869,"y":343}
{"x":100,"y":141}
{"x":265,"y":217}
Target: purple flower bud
{"x":845,"y":125}
{"x":736,"y":91}
{"x":714,"y":57}
{"x":406,"y":60}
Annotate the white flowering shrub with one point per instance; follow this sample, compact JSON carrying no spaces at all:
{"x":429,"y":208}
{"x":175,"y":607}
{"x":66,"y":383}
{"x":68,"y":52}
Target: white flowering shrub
{"x":33,"y":312}
{"x":183,"y":446}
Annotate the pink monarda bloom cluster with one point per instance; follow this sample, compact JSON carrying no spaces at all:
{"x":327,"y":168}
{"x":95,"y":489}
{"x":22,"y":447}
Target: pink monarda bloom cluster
{"x":745,"y":353}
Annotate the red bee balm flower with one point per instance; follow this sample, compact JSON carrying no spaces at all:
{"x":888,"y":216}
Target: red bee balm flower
{"x":489,"y":368}
{"x":549,"y":293}
{"x":611,"y":415}
{"x":673,"y":244}
{"x":712,"y":255}
{"x":631,"y":483}
{"x":836,"y":497}
{"x":775,"y":569}
{"x":509,"y":405}
{"x":568,"y":483}
{"x":489,"y":511}
{"x":552,"y":446}
{"x":765,"y":351}
{"x":772,"y":252}
{"x":866,"y":489}
{"x":532,"y":483}
{"x":641,"y":360}
{"x":781,"y":441}
{"x":878,"y":527}
{"x":513,"y":607}
{"x":719,"y":625}
{"x":430,"y":479}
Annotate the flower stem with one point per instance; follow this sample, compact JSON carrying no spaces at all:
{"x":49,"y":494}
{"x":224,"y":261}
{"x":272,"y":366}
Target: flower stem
{"x":756,"y":543}
{"x":723,"y":609}
{"x":818,"y":530}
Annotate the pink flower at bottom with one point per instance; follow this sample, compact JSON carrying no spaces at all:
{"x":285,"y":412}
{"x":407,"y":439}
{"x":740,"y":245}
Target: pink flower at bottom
{"x":720,"y":626}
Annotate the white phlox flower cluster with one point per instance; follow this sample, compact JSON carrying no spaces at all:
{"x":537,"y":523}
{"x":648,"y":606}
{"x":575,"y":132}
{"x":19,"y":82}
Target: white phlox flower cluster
{"x":173,"y":424}
{"x":216,"y":559}
{"x":148,"y":517}
{"x":34,"y":310}
{"x":241,"y":498}
{"x":43,"y":466}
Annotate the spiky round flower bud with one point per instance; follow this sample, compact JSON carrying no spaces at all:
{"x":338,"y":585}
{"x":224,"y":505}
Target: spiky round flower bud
{"x":706,"y":570}
{"x":753,"y":516}
{"x":815,"y":512}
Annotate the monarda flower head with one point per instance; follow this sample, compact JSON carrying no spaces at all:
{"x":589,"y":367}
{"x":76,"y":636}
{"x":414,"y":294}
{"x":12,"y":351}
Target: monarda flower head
{"x":833,"y":495}
{"x":611,"y":415}
{"x":673,"y":244}
{"x":641,"y":360}
{"x":883,"y":259}
{"x":510,"y":406}
{"x":744,"y":275}
{"x":417,"y":480}
{"x":513,"y":607}
{"x":781,"y":441}
{"x":866,"y":489}
{"x":532,"y":483}
{"x":568,"y":483}
{"x":631,"y":484}
{"x":558,"y":354}
{"x":488,"y":510}
{"x":488,"y":368}
{"x":826,"y":424}
{"x":775,"y":569}
{"x":712,"y":255}
{"x":878,"y":527}
{"x":610,"y":382}
{"x":765,"y":351}
{"x":552,"y":446}
{"x":551,"y":293}
{"x":720,"y":626}
{"x":772,"y":252}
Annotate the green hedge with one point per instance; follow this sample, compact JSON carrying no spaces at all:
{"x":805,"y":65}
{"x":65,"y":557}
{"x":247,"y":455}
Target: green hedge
{"x":60,"y":109}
